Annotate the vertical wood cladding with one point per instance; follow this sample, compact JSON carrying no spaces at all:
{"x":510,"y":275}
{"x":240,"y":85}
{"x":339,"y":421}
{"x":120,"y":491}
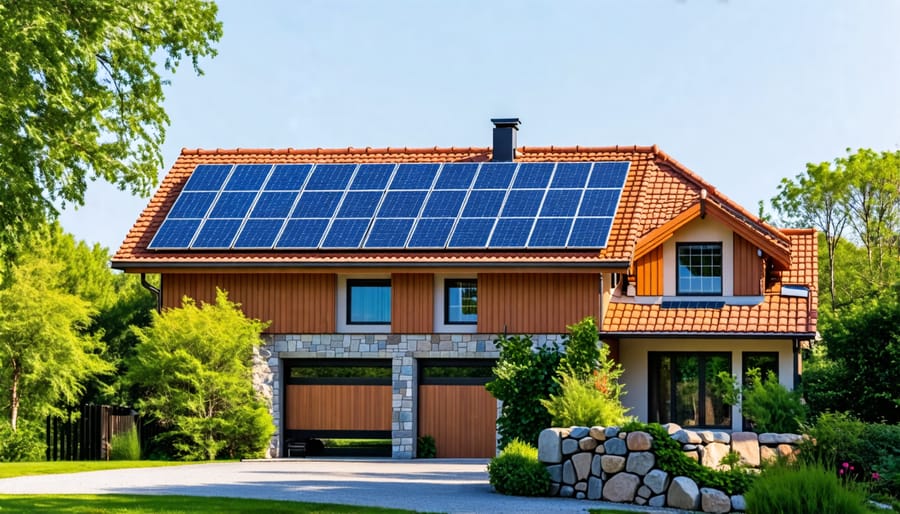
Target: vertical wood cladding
{"x":461,"y":418}
{"x":293,"y":302}
{"x":338,"y":407}
{"x":748,"y":268}
{"x":649,"y":274}
{"x":532,"y":303}
{"x":412,"y":303}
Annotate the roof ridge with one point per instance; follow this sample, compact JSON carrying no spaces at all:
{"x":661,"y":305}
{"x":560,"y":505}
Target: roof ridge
{"x":332,"y":151}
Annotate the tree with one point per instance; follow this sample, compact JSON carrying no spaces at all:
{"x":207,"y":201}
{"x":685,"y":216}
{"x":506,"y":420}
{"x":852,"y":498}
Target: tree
{"x":81,"y":97}
{"x":194,"y":365}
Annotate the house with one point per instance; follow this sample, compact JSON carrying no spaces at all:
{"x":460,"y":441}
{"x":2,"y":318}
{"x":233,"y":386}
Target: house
{"x":388,"y":273}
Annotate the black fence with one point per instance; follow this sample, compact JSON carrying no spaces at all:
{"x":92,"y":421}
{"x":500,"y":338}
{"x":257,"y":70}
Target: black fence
{"x":84,"y":433}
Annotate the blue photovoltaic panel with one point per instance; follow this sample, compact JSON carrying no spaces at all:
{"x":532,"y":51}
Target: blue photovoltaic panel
{"x":192,"y":205}
{"x":590,"y":232}
{"x":561,"y":202}
{"x":570,"y":175}
{"x":444,"y":204}
{"x":523,"y":203}
{"x":346,"y":233}
{"x":216,"y":234}
{"x":495,"y":175}
{"x":288,"y":177}
{"x":414,"y":176}
{"x":274,"y":205}
{"x":208,"y":177}
{"x":483,"y":204}
{"x":471,"y":233}
{"x":533,"y":175}
{"x":431,"y":233}
{"x":599,"y":202}
{"x":232,"y":205}
{"x":609,"y":174}
{"x":511,"y":233}
{"x":259,"y":233}
{"x":456,"y":176}
{"x":672,"y":304}
{"x":302,"y":233}
{"x":389,"y":233}
{"x":330,"y":177}
{"x":316,"y":204}
{"x":402,"y":204}
{"x":550,"y":233}
{"x":359,"y":204}
{"x":372,"y":176}
{"x":174,"y":234}
{"x":247,"y":177}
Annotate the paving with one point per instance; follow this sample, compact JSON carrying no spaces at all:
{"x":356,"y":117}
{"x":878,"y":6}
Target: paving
{"x":434,"y":485}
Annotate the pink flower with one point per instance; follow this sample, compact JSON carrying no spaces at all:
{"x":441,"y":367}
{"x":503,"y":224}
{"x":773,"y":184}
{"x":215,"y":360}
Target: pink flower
{"x":876,"y":476}
{"x":841,"y":472}
{"x":845,"y":465}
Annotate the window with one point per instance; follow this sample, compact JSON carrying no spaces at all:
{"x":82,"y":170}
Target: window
{"x":685,"y":389}
{"x":461,"y":301}
{"x":699,"y":268}
{"x":369,"y":302}
{"x":765,"y":362}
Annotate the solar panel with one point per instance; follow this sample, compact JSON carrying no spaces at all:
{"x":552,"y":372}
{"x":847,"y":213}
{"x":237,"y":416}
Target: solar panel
{"x":456,"y":176}
{"x":175,"y":234}
{"x":599,"y":202}
{"x":389,"y":233}
{"x":609,"y":174}
{"x":523,"y":203}
{"x":372,"y":176}
{"x":192,"y":205}
{"x":216,"y":234}
{"x":570,"y":175}
{"x":274,"y":205}
{"x":300,"y":234}
{"x":359,"y":204}
{"x":495,"y":175}
{"x":590,"y":233}
{"x":511,"y":233}
{"x":561,"y":202}
{"x":346,"y":233}
{"x":471,"y":233}
{"x":232,"y":205}
{"x":550,"y":233}
{"x":288,"y":177}
{"x":483,"y":204}
{"x":414,"y":176}
{"x":330,"y":177}
{"x":259,"y":234}
{"x":247,"y":177}
{"x":431,"y":233}
{"x":444,"y":204}
{"x":533,"y":175}
{"x":314,"y":204}
{"x":208,"y":177}
{"x":402,"y":204}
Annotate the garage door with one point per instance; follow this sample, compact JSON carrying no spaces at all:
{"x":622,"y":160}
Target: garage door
{"x":338,"y":407}
{"x":455,"y":408}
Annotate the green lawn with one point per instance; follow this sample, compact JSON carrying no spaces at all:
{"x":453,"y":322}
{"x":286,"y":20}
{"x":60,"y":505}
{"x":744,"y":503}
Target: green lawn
{"x":118,"y":503}
{"x":17,"y":469}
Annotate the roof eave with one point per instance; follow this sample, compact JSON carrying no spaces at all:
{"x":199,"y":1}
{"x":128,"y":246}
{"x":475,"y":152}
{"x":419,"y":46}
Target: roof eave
{"x":710,"y":335}
{"x":136,"y":265}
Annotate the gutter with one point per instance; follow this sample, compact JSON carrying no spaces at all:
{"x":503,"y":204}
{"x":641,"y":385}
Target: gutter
{"x":154,"y":290}
{"x":793,"y":336}
{"x":126,"y":265}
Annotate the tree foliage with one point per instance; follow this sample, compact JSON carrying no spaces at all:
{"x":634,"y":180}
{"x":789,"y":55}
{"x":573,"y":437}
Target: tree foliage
{"x":193,"y":365}
{"x":81,"y":95}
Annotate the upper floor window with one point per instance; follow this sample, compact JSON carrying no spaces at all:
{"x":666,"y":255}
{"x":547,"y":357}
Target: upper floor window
{"x":699,"y":270}
{"x":369,"y":301}
{"x":461,"y":301}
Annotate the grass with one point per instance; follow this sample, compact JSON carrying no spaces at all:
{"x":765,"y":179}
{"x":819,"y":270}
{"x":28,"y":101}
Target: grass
{"x":137,"y":504}
{"x":18,"y":469}
{"x":343,"y":443}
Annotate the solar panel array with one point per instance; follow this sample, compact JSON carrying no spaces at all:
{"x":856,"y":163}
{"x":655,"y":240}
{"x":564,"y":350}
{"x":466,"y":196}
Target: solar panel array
{"x":490,"y":205}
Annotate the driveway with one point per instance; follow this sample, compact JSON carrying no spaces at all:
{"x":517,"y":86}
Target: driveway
{"x":439,"y":485}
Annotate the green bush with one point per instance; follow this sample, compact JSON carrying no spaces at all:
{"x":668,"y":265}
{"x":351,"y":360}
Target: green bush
{"x":426,"y":447}
{"x":770,"y":406}
{"x":517,"y":471}
{"x":582,"y":403}
{"x":125,"y":446}
{"x":803,"y":489}
{"x":25,"y":444}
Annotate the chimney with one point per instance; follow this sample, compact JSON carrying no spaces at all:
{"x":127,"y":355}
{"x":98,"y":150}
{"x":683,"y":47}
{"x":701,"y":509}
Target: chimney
{"x":505,"y":130}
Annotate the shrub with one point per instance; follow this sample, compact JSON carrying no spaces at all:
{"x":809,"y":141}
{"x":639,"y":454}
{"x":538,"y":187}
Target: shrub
{"x":581,"y":402}
{"x":426,"y":447}
{"x":517,"y":471}
{"x":803,"y":489}
{"x":770,"y":406}
{"x":125,"y":446}
{"x":583,"y":354}
{"x":24,"y":444}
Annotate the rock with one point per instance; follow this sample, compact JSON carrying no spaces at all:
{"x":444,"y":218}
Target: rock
{"x":611,"y":432}
{"x":555,"y":472}
{"x":706,"y":436}
{"x":587,"y":444}
{"x":767,"y":454}
{"x":638,"y":441}
{"x":582,"y":463}
{"x":597,"y":433}
{"x":712,"y":455}
{"x":640,"y":501}
{"x":581,"y":486}
{"x":683,"y":494}
{"x":746,"y":445}
{"x":568,"y":473}
{"x":643,"y":492}
{"x":615,"y":447}
{"x":597,"y":465}
{"x":657,"y":501}
{"x":690,"y":447}
{"x":721,"y":437}
{"x":595,"y":488}
{"x":773,"y":439}
{"x":738,"y":503}
{"x":687,"y":437}
{"x":621,"y":487}
{"x":612,"y":463}
{"x":554,"y":489}
{"x":767,"y":438}
{"x":578,"y":432}
{"x":692,"y":455}
{"x":569,"y":446}
{"x":671,"y":428}
{"x":657,"y":480}
{"x":567,"y":491}
{"x":786,"y":450}
{"x":640,"y":463}
{"x":549,"y":446}
{"x":713,"y":500}
{"x":600,"y":449}
{"x":579,"y":495}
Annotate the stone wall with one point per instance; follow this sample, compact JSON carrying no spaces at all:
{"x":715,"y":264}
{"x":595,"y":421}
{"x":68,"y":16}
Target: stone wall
{"x":605,"y":463}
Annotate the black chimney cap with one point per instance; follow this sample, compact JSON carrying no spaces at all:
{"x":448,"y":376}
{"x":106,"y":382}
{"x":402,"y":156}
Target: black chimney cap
{"x":504,"y":149}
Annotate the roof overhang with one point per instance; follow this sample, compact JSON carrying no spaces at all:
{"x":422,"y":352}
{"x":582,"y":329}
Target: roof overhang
{"x":710,"y":335}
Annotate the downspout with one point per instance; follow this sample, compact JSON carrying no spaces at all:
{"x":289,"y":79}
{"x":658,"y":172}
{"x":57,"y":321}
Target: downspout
{"x":153,"y":289}
{"x":796,"y":363}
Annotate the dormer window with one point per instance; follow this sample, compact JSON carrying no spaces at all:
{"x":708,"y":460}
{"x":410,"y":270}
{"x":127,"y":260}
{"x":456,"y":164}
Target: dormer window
{"x":699,"y":270}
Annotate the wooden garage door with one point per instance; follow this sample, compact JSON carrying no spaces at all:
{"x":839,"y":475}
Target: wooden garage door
{"x":456,"y":409}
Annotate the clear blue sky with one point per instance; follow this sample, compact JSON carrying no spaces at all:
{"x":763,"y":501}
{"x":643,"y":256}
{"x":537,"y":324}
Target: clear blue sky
{"x":743,"y":92}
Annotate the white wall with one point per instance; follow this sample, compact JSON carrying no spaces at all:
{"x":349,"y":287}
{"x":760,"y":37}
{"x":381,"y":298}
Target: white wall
{"x":707,"y":230}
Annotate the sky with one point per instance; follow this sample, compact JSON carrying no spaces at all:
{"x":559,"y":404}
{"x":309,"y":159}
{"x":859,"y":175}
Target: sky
{"x":742,"y":92}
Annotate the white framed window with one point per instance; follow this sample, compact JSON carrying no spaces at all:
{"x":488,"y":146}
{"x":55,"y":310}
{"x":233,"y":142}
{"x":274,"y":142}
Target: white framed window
{"x":460,"y":301}
{"x":369,"y":301}
{"x":699,"y":269}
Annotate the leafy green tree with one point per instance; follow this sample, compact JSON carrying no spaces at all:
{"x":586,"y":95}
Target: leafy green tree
{"x":582,"y":345}
{"x":193,"y":365}
{"x":82,"y":96}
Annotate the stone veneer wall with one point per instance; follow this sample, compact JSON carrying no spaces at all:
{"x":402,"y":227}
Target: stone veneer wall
{"x":404,"y":352}
{"x":605,"y":463}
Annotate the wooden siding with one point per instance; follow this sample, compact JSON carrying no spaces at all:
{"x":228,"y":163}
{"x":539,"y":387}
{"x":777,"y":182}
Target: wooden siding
{"x":650,"y":273}
{"x":748,"y":268}
{"x":295,"y":303}
{"x":531,"y":303}
{"x":338,"y":407}
{"x":461,"y":418}
{"x":412,"y":303}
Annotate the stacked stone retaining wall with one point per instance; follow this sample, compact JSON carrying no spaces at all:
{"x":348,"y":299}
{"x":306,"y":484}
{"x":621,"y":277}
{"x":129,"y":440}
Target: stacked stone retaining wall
{"x":605,"y":463}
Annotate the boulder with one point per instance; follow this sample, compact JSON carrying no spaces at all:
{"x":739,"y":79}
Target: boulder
{"x":683,"y":494}
{"x":611,"y":432}
{"x":600,"y":449}
{"x":598,"y":433}
{"x":569,"y":446}
{"x":746,"y":445}
{"x":615,"y":447}
{"x":657,"y":480}
{"x":568,"y":473}
{"x":597,"y":465}
{"x":773,"y":439}
{"x":640,"y":463}
{"x":621,"y":487}
{"x":580,"y":495}
{"x":706,"y":436}
{"x":721,"y":437}
{"x":713,"y":500}
{"x":767,"y":453}
{"x":671,"y":428}
{"x":692,"y":455}
{"x":555,"y":472}
{"x":657,"y":501}
{"x":550,"y":446}
{"x":595,"y":488}
{"x":581,"y":486}
{"x":567,"y":491}
{"x":582,"y":463}
{"x":578,"y":432}
{"x":738,"y":503}
{"x":554,"y":490}
{"x":712,"y":455}
{"x":612,"y":463}
{"x":786,"y":450}
{"x":638,"y":441}
{"x":643,"y":492}
{"x":587,"y":444}
{"x":687,"y":437}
